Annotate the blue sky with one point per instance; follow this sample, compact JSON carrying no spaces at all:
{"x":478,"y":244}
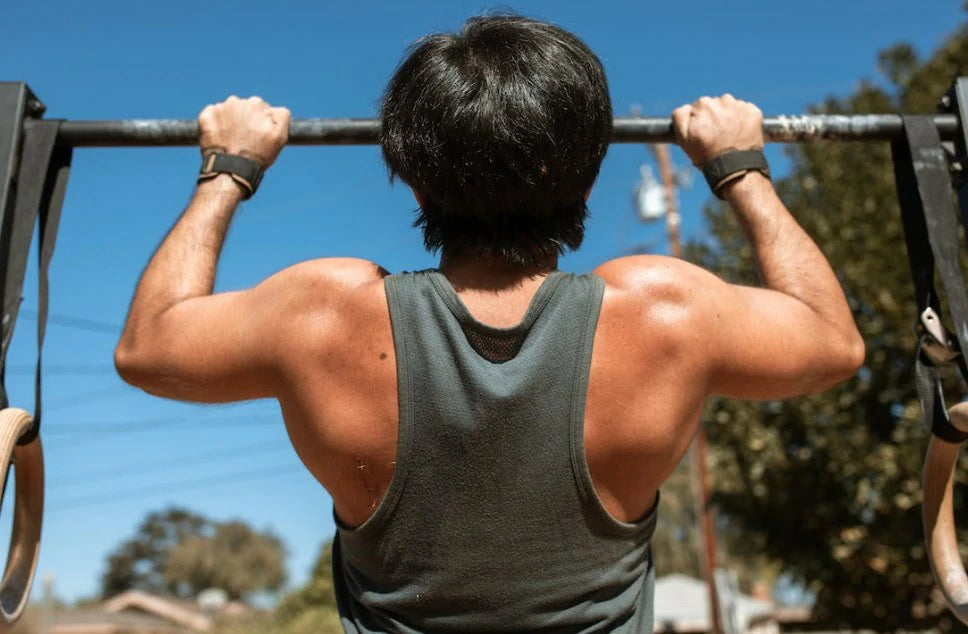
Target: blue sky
{"x":113,"y":454}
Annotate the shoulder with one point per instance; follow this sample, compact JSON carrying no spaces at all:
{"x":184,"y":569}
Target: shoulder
{"x":656,"y":279}
{"x":666,"y":301}
{"x":328,"y":273}
{"x":322,"y":295}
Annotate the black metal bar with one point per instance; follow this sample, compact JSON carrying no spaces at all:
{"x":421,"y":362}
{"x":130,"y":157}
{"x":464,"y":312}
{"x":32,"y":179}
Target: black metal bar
{"x":782,"y":129}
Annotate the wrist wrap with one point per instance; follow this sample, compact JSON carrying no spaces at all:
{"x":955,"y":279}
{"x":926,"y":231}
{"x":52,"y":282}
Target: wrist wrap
{"x":244,"y":171}
{"x":731,"y":164}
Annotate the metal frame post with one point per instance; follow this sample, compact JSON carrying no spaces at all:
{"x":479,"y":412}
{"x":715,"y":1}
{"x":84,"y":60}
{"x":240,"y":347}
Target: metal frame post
{"x":18,"y":105}
{"x":17,"y":102}
{"x":955,"y":102}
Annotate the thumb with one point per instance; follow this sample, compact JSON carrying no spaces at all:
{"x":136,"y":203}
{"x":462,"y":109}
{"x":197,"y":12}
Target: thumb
{"x":680,"y":123}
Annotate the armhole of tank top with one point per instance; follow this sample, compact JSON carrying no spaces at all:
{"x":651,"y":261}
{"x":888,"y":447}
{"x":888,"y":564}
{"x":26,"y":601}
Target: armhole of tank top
{"x":394,"y":286}
{"x":579,"y":460}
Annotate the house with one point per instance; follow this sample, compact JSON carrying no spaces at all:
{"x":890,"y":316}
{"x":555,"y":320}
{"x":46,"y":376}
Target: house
{"x":137,"y":612}
{"x":682,"y":606}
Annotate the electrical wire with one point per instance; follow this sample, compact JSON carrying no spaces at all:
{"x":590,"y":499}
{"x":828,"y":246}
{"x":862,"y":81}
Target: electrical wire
{"x":234,"y":477}
{"x":88,"y":396}
{"x":62,"y":369}
{"x":69,"y":321}
{"x":164,"y":464}
{"x":162,"y":424}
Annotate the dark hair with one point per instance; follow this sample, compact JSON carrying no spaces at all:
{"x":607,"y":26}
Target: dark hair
{"x":501,"y":129}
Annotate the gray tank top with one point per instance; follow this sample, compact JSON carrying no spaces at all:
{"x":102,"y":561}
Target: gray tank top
{"x":491,"y":522}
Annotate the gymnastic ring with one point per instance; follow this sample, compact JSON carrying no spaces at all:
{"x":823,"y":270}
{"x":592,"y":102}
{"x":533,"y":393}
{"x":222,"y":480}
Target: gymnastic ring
{"x":937,"y":512}
{"x":28,"y":462}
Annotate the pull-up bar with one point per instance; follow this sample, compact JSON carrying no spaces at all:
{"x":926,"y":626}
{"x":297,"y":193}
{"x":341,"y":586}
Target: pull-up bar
{"x":781,"y":129}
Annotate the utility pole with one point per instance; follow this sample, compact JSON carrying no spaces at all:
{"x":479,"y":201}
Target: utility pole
{"x":700,"y":476}
{"x":47,"y":609}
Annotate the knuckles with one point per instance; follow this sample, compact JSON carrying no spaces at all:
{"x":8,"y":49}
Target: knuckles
{"x":245,"y":125}
{"x":710,"y":124}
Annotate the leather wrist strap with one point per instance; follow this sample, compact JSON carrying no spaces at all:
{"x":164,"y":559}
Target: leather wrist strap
{"x":721,"y":169}
{"x":244,"y":171}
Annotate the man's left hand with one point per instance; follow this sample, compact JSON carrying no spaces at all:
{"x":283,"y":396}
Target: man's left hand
{"x":247,"y":127}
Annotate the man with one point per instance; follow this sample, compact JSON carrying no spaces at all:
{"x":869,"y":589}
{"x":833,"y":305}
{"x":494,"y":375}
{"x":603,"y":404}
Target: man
{"x":493,"y":433}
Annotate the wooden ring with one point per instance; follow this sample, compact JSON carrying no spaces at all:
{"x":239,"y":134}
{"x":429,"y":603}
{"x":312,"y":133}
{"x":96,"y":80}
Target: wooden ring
{"x":940,"y":536}
{"x":28,"y":461}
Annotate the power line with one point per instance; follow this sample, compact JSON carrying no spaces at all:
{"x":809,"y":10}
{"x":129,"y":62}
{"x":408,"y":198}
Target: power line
{"x":69,"y":321}
{"x":111,"y":473}
{"x":85,"y":397}
{"x":88,"y":396}
{"x":64,"y":369}
{"x":233,"y":477}
{"x":162,"y":424}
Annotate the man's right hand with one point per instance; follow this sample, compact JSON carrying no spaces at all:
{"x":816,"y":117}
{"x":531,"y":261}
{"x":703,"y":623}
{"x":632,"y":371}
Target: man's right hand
{"x":711,"y":126}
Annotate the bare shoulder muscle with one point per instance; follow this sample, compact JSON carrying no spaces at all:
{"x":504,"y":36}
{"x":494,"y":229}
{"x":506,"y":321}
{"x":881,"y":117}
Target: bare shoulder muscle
{"x":323,"y":292}
{"x":745,"y":342}
{"x":658,"y":295}
{"x":237,"y":345}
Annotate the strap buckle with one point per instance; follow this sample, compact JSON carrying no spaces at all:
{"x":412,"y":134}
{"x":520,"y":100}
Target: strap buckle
{"x":936,"y":341}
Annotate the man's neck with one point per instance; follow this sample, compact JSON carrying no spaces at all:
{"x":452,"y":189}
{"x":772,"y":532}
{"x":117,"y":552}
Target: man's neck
{"x":492,"y":274}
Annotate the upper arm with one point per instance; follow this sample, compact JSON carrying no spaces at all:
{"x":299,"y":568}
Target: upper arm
{"x":236,"y":345}
{"x":741,"y":341}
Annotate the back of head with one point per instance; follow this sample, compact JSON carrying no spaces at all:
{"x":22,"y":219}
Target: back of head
{"x":501,"y":130}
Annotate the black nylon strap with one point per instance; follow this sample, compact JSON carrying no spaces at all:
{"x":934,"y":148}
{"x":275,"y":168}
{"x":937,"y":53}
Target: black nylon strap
{"x":719,"y":169}
{"x":244,"y":171}
{"x":41,"y":185}
{"x":931,"y":234}
{"x":50,"y":215}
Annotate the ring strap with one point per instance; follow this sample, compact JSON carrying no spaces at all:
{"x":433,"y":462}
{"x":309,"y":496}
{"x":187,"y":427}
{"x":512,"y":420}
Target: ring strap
{"x":931,"y":236}
{"x":41,"y":185}
{"x":721,"y":169}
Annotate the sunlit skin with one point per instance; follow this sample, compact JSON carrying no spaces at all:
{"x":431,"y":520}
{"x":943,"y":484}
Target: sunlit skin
{"x":316,"y":336}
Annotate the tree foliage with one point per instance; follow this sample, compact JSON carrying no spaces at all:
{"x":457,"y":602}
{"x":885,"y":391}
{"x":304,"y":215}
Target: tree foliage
{"x":234,"y":558}
{"x":317,"y":594}
{"x":139,"y":563}
{"x":180,"y":553}
{"x":676,"y":541}
{"x":829,"y":484}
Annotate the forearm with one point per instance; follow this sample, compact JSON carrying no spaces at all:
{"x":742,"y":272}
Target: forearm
{"x":788,"y":259}
{"x":184,"y":264}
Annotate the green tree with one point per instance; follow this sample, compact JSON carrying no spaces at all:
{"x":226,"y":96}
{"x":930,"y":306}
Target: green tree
{"x":675,"y":544}
{"x":318,"y":593}
{"x":139,"y":563}
{"x":234,"y":558}
{"x":828,"y":485}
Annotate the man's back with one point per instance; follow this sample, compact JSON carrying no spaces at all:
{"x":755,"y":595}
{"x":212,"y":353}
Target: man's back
{"x":491,"y":511}
{"x":651,"y":367}
{"x":341,"y":404}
